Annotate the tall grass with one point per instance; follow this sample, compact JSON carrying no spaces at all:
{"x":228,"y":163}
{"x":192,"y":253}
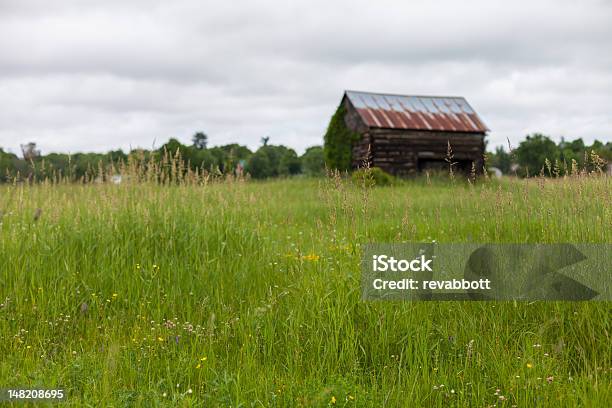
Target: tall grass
{"x":174,"y":290}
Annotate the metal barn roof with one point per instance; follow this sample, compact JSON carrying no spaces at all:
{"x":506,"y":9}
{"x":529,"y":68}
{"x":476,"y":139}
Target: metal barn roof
{"x":451,"y":114}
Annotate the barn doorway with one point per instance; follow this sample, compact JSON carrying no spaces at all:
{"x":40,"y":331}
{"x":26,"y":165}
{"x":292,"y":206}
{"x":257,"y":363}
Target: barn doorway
{"x":441,"y":166}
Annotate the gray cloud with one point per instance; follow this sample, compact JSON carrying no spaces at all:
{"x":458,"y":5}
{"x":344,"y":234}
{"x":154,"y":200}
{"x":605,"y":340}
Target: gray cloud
{"x":92,"y":75}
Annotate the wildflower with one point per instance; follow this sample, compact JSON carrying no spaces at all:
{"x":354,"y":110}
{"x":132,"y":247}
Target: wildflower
{"x":164,"y":395}
{"x":350,"y":397}
{"x":332,"y":400}
{"x":115,"y":295}
{"x":311,"y":257}
{"x":529,"y":365}
{"x":199,"y":366}
{"x":203,"y":359}
{"x":160,"y":339}
{"x":189,"y":391}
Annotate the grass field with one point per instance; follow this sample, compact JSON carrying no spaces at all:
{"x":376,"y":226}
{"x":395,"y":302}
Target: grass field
{"x":248,"y":294}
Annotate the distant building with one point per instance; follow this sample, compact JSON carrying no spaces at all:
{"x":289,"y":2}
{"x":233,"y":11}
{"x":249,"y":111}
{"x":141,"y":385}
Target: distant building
{"x":403,"y":134}
{"x":496,"y":172}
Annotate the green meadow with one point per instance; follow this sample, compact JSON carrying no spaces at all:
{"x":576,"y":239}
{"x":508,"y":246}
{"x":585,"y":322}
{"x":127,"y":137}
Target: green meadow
{"x":238,"y":293}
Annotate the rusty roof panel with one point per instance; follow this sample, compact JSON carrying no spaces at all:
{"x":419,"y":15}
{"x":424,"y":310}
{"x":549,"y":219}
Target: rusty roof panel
{"x":451,"y":114}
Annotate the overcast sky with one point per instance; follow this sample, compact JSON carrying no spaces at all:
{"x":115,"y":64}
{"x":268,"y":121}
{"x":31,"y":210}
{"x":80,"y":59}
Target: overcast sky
{"x":79,"y":75}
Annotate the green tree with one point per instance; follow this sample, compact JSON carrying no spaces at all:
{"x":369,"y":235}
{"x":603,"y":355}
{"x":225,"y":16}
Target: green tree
{"x":203,"y":159}
{"x":533,"y":152}
{"x":313,"y":161}
{"x":273,"y":161}
{"x":604,"y":151}
{"x":29,"y":151}
{"x":289,"y":163}
{"x":172,"y":146}
{"x":200,"y":140}
{"x":573,"y":150}
{"x":8,"y":168}
{"x":259,"y":165}
{"x":228,"y":156}
{"x":501,"y":159}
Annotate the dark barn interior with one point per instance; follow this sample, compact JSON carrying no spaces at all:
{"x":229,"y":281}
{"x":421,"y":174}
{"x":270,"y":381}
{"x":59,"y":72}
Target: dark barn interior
{"x":404,"y":134}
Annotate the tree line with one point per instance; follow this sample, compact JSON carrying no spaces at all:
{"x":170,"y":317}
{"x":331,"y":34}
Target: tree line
{"x":537,"y":154}
{"x":265,"y":162}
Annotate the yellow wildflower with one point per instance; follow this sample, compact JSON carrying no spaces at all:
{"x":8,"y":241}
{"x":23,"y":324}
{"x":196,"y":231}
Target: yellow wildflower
{"x":333,"y":400}
{"x":311,"y":257}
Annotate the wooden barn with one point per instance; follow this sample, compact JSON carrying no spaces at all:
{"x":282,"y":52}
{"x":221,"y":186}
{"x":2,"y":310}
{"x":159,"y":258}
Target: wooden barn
{"x":404,"y":134}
